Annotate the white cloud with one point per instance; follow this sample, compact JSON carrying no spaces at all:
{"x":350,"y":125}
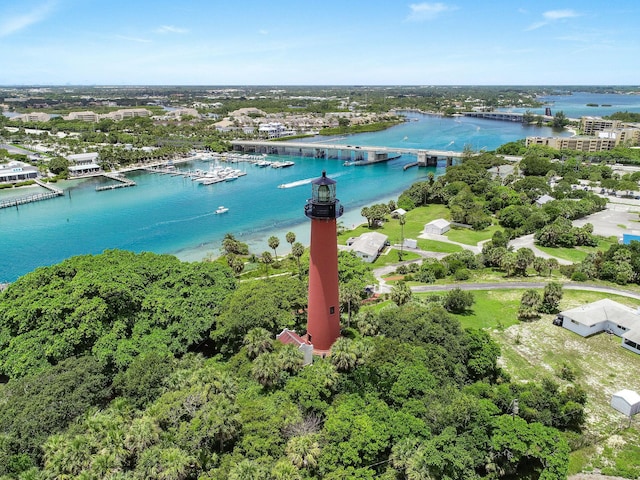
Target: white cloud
{"x":559,"y":14}
{"x":133,"y":39}
{"x":552,"y":16}
{"x":427,"y":11}
{"x":263,"y":32}
{"x":15,"y":23}
{"x":171,"y":29}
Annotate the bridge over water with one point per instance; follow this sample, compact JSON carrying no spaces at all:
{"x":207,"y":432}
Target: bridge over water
{"x":351,"y":154}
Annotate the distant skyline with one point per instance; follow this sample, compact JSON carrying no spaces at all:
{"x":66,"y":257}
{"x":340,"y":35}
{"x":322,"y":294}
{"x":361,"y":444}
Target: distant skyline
{"x":319,"y":42}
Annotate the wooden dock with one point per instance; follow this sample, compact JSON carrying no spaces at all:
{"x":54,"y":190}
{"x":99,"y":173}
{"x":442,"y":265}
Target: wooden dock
{"x":122,"y":182}
{"x":52,"y":192}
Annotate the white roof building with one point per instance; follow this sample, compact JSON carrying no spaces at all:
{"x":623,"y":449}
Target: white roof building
{"x":605,"y":315}
{"x":437,"y":227}
{"x":626,"y":402}
{"x":368,"y":245}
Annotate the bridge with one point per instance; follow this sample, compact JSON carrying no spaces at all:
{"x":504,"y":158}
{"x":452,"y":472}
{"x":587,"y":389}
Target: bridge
{"x":350,"y":154}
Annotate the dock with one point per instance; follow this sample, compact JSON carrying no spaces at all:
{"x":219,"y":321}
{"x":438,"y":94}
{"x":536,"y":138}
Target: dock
{"x":122,"y":182}
{"x":52,"y":192}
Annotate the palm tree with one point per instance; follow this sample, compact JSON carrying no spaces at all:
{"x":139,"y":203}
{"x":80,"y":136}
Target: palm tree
{"x":247,"y":470}
{"x":267,"y":260}
{"x":402,"y":219}
{"x":290,"y":359}
{"x":344,"y":354}
{"x":350,"y":296}
{"x":266,"y":369}
{"x":297,"y":250}
{"x":258,"y":341}
{"x":143,"y":432}
{"x":290,"y":237}
{"x":400,"y":293}
{"x":274,"y":242}
{"x":303,"y":451}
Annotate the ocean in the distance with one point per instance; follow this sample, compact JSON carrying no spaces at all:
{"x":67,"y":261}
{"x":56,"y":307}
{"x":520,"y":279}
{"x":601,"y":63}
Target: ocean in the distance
{"x":172,"y":214}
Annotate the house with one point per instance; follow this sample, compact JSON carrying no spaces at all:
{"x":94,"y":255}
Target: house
{"x":368,"y":245}
{"x":289,"y":337}
{"x":604,"y":315}
{"x":626,"y":402}
{"x":398,"y":212}
{"x":543,"y":199}
{"x":437,"y":227}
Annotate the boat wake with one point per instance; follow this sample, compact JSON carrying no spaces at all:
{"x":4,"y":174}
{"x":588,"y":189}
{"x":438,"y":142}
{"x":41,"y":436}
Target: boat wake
{"x":305,"y":181}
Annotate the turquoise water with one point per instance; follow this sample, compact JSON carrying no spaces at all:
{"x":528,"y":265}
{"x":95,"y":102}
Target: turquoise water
{"x":575,"y":105}
{"x":172,"y":214}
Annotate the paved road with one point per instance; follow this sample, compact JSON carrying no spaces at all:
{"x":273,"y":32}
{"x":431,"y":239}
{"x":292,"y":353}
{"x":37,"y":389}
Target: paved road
{"x":518,"y":284}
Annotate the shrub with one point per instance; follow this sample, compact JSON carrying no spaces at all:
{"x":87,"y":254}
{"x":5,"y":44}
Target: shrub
{"x":578,"y":276}
{"x":462,"y":274}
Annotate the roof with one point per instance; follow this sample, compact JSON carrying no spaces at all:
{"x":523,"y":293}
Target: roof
{"x":629,"y":396}
{"x":82,"y":157}
{"x":544,"y":199}
{"x":604,"y":310}
{"x":440,"y":223}
{"x":369,"y":243}
{"x":633,"y":335}
{"x":87,"y":166}
{"x":290,"y":337}
{"x":399,"y":211}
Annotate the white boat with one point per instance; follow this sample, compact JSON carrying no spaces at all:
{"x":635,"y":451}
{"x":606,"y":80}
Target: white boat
{"x":221,"y":209}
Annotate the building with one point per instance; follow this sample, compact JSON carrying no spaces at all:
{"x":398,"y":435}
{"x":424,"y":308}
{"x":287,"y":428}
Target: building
{"x":33,"y":117}
{"x":83,"y":116}
{"x":323,"y":311}
{"x":437,"y":227}
{"x":626,"y":402}
{"x":83,"y":163}
{"x":127,"y":113}
{"x":605,"y":316}
{"x":289,"y":337}
{"x":368,"y":245}
{"x":543,"y":199}
{"x":591,"y":125}
{"x":583,"y":144}
{"x":15,"y":171}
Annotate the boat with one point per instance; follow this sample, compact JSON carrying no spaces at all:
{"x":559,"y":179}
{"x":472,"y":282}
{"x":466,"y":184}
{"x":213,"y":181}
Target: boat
{"x":221,"y":209}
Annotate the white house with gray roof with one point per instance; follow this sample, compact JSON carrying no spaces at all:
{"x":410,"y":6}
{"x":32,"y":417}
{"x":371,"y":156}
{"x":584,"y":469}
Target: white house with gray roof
{"x":368,"y":245}
{"x":605,"y":315}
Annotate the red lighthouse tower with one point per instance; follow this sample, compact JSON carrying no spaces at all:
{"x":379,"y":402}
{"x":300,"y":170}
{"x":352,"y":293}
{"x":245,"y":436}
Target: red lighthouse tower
{"x":323,"y":208}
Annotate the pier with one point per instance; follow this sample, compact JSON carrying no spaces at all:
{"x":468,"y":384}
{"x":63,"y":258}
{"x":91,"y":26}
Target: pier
{"x":349,"y":154}
{"x":52,"y":192}
{"x":123,"y":182}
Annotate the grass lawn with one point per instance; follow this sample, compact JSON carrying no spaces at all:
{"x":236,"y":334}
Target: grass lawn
{"x":415,"y":221}
{"x":471,"y":237}
{"x":390,"y":256}
{"x":436,"y":246}
{"x":578,"y":254}
{"x":532,"y":349}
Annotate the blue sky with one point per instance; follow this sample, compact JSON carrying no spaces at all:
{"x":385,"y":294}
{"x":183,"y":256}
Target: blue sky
{"x":319,"y":42}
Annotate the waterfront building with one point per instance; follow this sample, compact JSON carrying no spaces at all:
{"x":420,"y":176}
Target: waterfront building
{"x":583,"y":144}
{"x":323,"y":311}
{"x":17,"y":172}
{"x":591,"y":125}
{"x":83,"y":163}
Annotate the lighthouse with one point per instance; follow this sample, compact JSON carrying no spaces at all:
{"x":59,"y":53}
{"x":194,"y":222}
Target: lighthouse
{"x":323,"y":208}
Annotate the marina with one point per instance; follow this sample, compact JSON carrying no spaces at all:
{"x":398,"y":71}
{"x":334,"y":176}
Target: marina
{"x":170,"y":213}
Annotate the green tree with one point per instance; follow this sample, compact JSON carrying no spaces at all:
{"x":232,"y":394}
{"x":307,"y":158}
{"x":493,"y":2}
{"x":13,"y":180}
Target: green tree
{"x":303,"y":451}
{"x":274,"y":242}
{"x":266,"y":259}
{"x":297,"y":250}
{"x":551,"y":297}
{"x":457,"y":300}
{"x":258,"y":341}
{"x":529,"y":305}
{"x":400,"y":293}
{"x":290,"y":237}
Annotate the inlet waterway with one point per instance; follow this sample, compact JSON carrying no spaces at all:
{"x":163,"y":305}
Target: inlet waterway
{"x":173,"y":214}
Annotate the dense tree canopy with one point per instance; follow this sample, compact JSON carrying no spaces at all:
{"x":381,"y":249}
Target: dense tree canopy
{"x":115,"y":306}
